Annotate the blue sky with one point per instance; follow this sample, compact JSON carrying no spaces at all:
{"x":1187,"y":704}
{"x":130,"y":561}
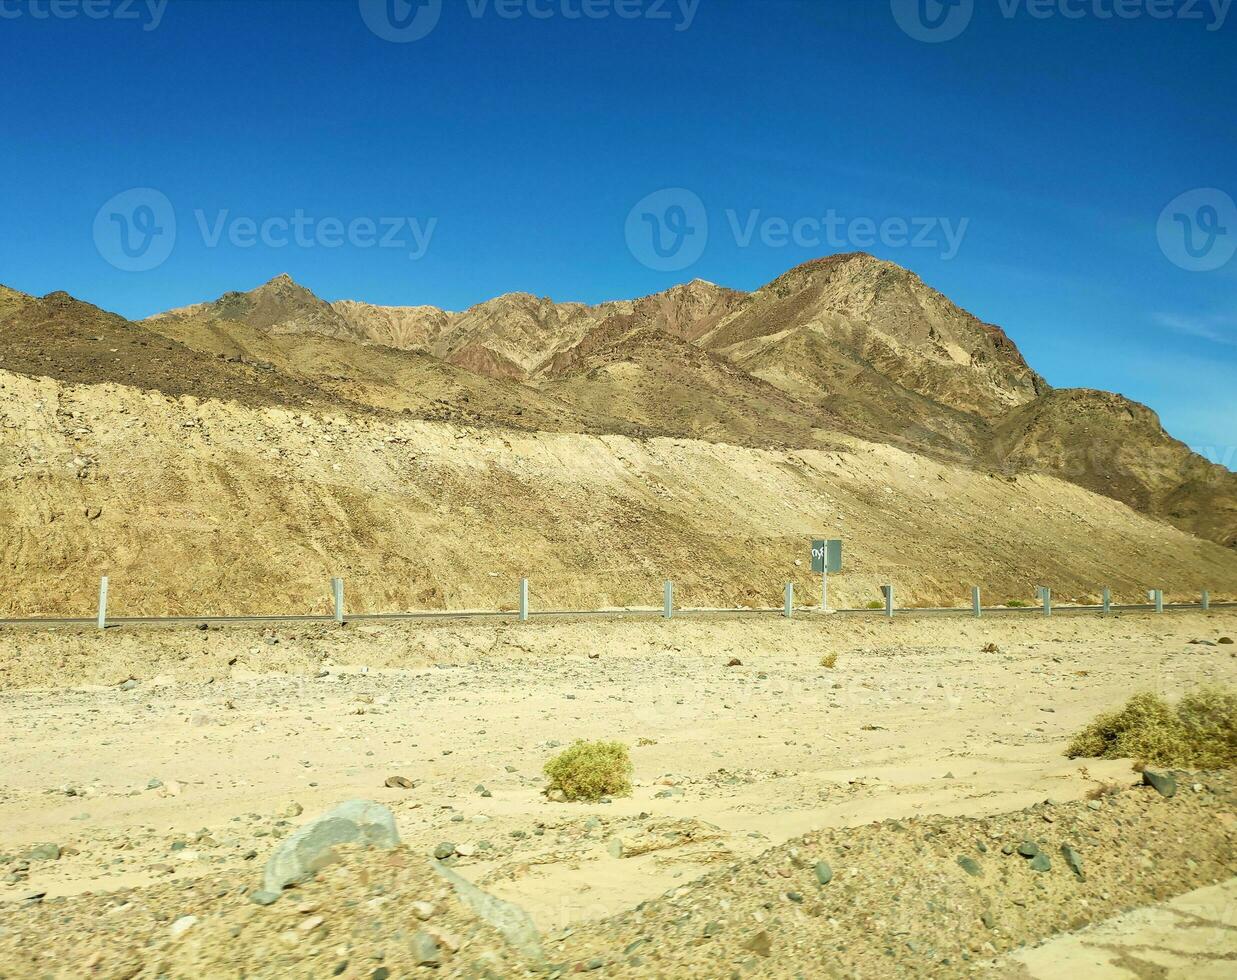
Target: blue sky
{"x":1021,"y":166}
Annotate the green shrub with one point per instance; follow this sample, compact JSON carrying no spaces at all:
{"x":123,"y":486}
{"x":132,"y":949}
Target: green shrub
{"x":829,"y":660}
{"x":591,"y":770}
{"x":1017,"y":604}
{"x":1201,"y":733}
{"x":876,"y":604}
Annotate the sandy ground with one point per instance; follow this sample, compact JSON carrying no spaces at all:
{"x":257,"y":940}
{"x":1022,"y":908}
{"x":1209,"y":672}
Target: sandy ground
{"x":226,"y":737}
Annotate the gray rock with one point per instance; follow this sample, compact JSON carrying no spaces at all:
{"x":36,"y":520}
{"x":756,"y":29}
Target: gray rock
{"x":970,"y":866}
{"x":1028,"y":849}
{"x":1040,"y":862}
{"x":711,"y":929}
{"x":44,"y":852}
{"x":615,"y":847}
{"x":425,"y":950}
{"x":264,"y":897}
{"x":1163,"y":782}
{"x":1074,"y":860}
{"x":128,"y":685}
{"x":312,"y":847}
{"x":824,"y":873}
{"x":444,"y":850}
{"x":511,"y":921}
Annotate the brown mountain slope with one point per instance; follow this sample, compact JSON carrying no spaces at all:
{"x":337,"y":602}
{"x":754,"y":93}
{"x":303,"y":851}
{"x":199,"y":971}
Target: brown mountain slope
{"x":1117,"y":447}
{"x":846,"y":343}
{"x":194,"y":506}
{"x":62,"y":338}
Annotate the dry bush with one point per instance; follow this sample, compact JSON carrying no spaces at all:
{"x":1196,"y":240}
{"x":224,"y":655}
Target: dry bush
{"x":829,"y":660}
{"x":876,"y":604}
{"x":1017,"y":604}
{"x":1200,"y":733}
{"x":591,"y":770}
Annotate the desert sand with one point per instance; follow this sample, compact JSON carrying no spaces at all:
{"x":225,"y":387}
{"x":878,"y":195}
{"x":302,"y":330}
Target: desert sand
{"x":165,"y":764}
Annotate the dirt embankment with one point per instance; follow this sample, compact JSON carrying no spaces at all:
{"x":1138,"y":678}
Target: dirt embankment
{"x":200,"y":507}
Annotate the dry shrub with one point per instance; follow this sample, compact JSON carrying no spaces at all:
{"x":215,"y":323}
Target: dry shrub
{"x":1200,"y":733}
{"x":591,"y":770}
{"x":876,"y":604}
{"x":829,"y":660}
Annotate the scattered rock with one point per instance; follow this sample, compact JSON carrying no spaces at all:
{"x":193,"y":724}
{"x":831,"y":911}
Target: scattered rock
{"x":264,"y":897}
{"x":1040,"y":862}
{"x":398,"y":782}
{"x":444,"y":850}
{"x":824,"y":873}
{"x":970,"y":866}
{"x":425,"y":949}
{"x":1164,"y":783}
{"x":313,"y":845}
{"x":182,"y":925}
{"x":515,"y":925}
{"x":734,"y":662}
{"x":1073,"y":860}
{"x":760,"y":944}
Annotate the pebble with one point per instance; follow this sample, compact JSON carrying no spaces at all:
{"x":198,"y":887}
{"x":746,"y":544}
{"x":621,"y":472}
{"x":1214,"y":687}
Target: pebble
{"x":1163,"y":782}
{"x":824,"y":873}
{"x":970,"y":866}
{"x":444,"y":850}
{"x":425,"y":949}
{"x":183,"y":925}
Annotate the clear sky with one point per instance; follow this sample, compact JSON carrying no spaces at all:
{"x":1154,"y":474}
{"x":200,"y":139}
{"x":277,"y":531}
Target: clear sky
{"x":1027,"y":157}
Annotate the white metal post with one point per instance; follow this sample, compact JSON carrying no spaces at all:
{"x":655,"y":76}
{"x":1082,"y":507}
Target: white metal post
{"x":103,"y":603}
{"x":976,"y":607}
{"x":1159,"y":600}
{"x":824,"y":590}
{"x":790,"y":599}
{"x":1206,"y":600}
{"x":1047,"y":594}
{"x":667,"y":606}
{"x":337,"y":590}
{"x":889,"y":601}
{"x":523,"y":600}
{"x":1107,"y":600}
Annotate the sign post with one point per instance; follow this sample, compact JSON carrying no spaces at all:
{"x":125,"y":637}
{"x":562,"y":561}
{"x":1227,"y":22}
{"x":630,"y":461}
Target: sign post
{"x":826,"y":558}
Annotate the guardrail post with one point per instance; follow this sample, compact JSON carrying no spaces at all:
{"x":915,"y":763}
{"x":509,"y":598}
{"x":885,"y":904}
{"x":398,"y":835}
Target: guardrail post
{"x":523,"y":600}
{"x":337,"y":591}
{"x":976,"y":607}
{"x":1159,"y":600}
{"x":790,"y":599}
{"x":1206,"y":600}
{"x":1107,"y":600}
{"x":667,"y":606}
{"x":103,"y":603}
{"x":1047,"y":594}
{"x":888,"y":590}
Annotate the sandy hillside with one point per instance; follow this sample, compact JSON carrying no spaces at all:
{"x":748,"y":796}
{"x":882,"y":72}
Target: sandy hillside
{"x":203,"y":507}
{"x":131,"y":807}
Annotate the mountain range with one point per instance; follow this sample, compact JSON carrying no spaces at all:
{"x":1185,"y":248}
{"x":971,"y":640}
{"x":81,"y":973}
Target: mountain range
{"x":845,"y":344}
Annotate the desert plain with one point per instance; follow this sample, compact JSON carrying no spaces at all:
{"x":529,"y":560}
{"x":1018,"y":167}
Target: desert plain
{"x":151,"y":771}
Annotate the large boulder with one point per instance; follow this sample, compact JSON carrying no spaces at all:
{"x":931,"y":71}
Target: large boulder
{"x":312,"y":846}
{"x":512,"y":922}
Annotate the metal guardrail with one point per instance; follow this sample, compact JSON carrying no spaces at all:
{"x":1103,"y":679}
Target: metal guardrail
{"x":965,"y":611}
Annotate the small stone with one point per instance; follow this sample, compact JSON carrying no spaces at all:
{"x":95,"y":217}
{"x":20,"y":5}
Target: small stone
{"x":398,"y":782}
{"x":128,"y":685}
{"x":1040,"y":862}
{"x":465,"y":850}
{"x":987,"y":919}
{"x":795,"y":897}
{"x":556,"y":796}
{"x":711,"y":929}
{"x":734,"y":662}
{"x":425,"y":951}
{"x":44,"y":852}
{"x":293,"y":810}
{"x":312,"y":847}
{"x":615,"y":847}
{"x":264,"y":897}
{"x":183,"y":925}
{"x":1028,"y":849}
{"x":423,"y":910}
{"x":444,"y":850}
{"x":1163,"y":782}
{"x":760,"y":944}
{"x":824,"y":873}
{"x":970,"y":866}
{"x":1226,"y":640}
{"x":1074,"y":860}
{"x":312,"y":923}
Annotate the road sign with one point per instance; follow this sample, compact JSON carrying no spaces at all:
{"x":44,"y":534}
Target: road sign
{"x":827,"y":556}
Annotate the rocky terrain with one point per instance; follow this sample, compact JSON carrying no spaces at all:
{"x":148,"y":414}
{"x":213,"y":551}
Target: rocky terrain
{"x":848,"y":344}
{"x":907,"y":812}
